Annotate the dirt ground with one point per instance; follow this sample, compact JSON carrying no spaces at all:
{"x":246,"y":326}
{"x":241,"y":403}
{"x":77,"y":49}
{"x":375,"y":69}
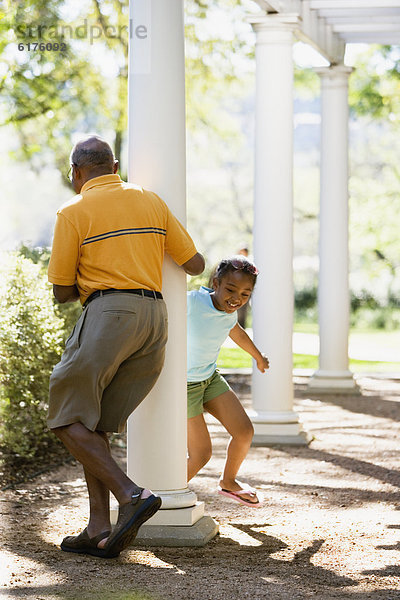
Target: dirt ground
{"x":329,"y":527}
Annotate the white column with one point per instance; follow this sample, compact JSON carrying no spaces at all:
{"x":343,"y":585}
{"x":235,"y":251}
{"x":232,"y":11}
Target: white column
{"x":333,"y":290}
{"x":157,"y":442}
{"x":272,"y":415}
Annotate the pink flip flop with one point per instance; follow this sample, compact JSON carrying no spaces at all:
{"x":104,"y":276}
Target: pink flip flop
{"x":237,"y":496}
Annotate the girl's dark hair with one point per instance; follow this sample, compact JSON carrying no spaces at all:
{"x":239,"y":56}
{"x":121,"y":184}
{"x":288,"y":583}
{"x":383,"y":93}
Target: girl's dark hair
{"x":236,"y":263}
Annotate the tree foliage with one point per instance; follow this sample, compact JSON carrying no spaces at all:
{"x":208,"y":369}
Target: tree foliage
{"x":47,"y":95}
{"x":375,"y":84}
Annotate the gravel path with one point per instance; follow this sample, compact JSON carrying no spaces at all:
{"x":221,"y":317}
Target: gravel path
{"x":329,"y":528}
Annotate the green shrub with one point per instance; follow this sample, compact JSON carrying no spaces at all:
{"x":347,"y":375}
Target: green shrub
{"x":40,"y":256}
{"x":366,"y":311}
{"x":70,"y":311}
{"x":31,"y":336}
{"x":363,"y":299}
{"x":379,"y":318}
{"x":198,"y":280}
{"x":305,"y":299}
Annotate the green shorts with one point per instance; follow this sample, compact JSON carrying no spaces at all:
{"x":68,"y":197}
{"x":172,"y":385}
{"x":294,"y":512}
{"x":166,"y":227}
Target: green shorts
{"x":200,"y":392}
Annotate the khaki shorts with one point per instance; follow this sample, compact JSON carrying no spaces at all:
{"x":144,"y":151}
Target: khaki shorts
{"x":111,"y":361}
{"x":201,"y":392}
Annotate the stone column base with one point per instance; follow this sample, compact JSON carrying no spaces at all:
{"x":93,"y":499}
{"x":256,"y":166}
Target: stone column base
{"x":334,"y":382}
{"x":278,"y":428}
{"x":197,"y":534}
{"x":176,"y":498}
{"x":174,"y":527}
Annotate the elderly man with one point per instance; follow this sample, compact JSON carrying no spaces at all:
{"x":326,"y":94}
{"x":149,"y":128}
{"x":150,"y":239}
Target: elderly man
{"x":108,"y":249}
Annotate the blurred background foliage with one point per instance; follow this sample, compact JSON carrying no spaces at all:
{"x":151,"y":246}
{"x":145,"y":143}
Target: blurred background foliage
{"x":48,"y":98}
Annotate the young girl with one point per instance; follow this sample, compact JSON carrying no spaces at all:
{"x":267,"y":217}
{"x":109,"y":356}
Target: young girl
{"x":212,"y":316}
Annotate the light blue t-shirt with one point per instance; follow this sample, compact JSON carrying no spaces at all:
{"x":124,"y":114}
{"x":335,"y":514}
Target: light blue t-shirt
{"x":207,"y":330}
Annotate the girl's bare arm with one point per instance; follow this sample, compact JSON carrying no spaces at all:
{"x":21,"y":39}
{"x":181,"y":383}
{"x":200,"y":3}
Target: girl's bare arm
{"x":240,"y":337}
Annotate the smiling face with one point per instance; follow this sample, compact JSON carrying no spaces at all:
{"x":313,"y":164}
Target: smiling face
{"x":232,"y":290}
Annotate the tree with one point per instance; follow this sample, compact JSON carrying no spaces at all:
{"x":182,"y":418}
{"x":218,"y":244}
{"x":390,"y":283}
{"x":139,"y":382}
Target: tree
{"x":375,"y":102}
{"x":375,"y":84}
{"x":47,"y":94}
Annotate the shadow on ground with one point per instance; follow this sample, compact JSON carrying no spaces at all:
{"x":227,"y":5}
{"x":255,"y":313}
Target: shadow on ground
{"x":224,"y":568}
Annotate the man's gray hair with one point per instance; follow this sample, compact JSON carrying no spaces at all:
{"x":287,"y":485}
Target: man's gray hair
{"x":92,"y":153}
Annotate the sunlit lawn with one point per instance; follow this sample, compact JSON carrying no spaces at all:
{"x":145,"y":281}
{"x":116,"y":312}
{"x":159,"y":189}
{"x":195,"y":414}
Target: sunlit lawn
{"x":389,"y":339}
{"x":236,"y":358}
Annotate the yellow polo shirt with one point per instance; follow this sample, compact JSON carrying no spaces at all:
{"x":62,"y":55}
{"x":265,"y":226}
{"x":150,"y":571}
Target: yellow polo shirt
{"x":114,"y":235}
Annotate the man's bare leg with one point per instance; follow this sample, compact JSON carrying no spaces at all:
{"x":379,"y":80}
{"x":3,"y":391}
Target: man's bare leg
{"x":91,"y":448}
{"x":99,"y":505}
{"x":99,"y":500}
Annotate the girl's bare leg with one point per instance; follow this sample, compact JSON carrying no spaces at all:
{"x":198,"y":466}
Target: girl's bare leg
{"x":231,"y":414}
{"x":199,"y":445}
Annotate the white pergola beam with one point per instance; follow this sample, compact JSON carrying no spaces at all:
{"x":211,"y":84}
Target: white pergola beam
{"x":366,"y":27}
{"x":345,"y":13}
{"x":270,"y":6}
{"x":385,"y":38}
{"x":356,"y":21}
{"x":346,"y":4}
{"x":328,"y":25}
{"x":264,"y":5}
{"x":279,"y":6}
{"x":319,"y":34}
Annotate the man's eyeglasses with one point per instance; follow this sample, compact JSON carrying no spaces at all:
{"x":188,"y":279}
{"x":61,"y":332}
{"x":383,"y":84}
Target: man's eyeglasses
{"x":69,"y":174}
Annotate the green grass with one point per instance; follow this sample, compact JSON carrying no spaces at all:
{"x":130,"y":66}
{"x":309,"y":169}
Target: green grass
{"x":233,"y":358}
{"x":236,"y":358}
{"x":306,"y":327}
{"x":390,"y":339}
